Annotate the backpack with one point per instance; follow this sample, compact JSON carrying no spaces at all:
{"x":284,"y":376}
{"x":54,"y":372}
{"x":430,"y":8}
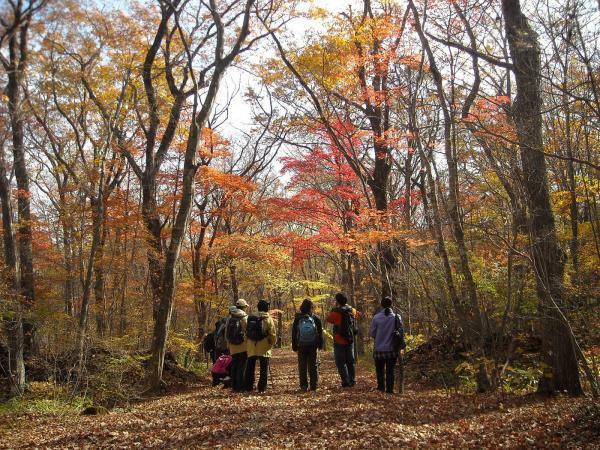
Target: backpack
{"x":219,"y":337}
{"x":221,"y":365}
{"x":255,"y":329}
{"x":208,"y":343}
{"x":234,"y":332}
{"x":398,"y":335}
{"x":307,"y":331}
{"x":348,"y":329}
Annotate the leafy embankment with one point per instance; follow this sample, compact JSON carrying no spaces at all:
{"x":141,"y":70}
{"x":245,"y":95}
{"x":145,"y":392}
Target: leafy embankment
{"x":332,"y":417}
{"x":112,"y":377}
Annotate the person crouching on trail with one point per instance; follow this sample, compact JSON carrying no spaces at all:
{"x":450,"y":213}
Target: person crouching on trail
{"x":385,"y":329}
{"x":235,"y":333}
{"x":261,"y":336}
{"x":343,"y":317}
{"x":307,"y":339}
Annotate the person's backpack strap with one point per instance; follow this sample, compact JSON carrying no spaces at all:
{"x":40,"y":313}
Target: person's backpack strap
{"x":398,"y":337}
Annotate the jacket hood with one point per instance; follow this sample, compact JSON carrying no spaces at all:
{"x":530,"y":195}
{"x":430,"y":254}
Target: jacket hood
{"x":236,"y":312}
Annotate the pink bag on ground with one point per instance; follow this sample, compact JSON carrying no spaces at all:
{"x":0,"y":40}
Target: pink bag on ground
{"x":221,"y":365}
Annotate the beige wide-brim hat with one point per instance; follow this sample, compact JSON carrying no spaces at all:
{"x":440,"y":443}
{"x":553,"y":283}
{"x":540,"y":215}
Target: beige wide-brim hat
{"x":241,"y":303}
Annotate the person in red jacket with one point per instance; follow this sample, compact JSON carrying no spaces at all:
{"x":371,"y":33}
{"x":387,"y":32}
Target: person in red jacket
{"x":343,"y":317}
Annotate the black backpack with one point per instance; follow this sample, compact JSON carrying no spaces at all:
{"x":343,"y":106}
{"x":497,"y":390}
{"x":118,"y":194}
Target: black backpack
{"x":348,"y":329}
{"x":256,"y":329}
{"x":208,"y":343}
{"x":234,"y":332}
{"x":398,"y":336}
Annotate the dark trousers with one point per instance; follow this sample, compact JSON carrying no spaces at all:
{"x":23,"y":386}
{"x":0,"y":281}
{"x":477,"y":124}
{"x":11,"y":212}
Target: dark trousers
{"x":236,"y":370}
{"x":264,"y":372}
{"x":385,"y":374}
{"x":344,"y":360}
{"x":307,"y":364}
{"x":213,"y":358}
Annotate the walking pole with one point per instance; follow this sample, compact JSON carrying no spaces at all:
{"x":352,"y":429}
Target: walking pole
{"x":401,"y":374}
{"x":271,"y":375}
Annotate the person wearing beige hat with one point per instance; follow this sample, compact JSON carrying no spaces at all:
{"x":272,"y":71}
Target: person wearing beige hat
{"x":235,"y":333}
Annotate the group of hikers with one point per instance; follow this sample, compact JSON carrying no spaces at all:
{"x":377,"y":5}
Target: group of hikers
{"x":241,"y":339}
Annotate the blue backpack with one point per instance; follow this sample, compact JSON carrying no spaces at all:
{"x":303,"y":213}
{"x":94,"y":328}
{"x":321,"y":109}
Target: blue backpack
{"x":307,"y":331}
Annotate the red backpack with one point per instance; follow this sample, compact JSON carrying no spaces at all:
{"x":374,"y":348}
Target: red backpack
{"x":221,"y":365}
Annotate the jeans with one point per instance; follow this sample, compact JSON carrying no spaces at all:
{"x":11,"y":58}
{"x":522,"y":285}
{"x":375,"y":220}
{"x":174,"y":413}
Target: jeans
{"x":344,"y":360}
{"x":385,"y":374}
{"x":264,"y":371}
{"x":307,"y":362}
{"x":236,"y":370}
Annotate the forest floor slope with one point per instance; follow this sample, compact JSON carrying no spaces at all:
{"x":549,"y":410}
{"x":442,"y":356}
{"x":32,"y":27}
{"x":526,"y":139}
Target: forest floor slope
{"x":332,"y":417}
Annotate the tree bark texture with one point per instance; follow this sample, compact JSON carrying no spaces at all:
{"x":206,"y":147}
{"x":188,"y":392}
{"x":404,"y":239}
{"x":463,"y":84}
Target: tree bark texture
{"x":561,"y":372}
{"x":18,"y":54}
{"x":13,"y":322}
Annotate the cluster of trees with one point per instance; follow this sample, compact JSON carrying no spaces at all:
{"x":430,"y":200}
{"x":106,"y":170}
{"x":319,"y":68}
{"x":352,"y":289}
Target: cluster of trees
{"x":444,"y":153}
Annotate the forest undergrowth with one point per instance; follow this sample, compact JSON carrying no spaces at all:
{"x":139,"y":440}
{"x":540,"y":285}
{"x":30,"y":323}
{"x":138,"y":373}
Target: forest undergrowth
{"x":331,"y":417}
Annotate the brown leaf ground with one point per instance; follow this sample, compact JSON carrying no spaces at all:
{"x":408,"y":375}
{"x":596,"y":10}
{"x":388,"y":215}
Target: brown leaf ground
{"x":332,"y":417}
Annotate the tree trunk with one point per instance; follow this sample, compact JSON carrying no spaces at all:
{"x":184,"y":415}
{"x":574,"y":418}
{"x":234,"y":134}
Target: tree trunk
{"x":100,"y":282}
{"x":18,"y":54}
{"x":434,"y":221}
{"x":199,"y":268}
{"x":573,"y":212}
{"x":199,"y":118}
{"x":15,"y":73}
{"x":558,"y":354}
{"x":13,"y":322}
{"x":153,"y":239}
{"x":97,"y":213}
{"x":167,"y":284}
{"x":475,"y":328}
{"x":379,"y":189}
{"x":67,"y":237}
{"x":234,"y":283}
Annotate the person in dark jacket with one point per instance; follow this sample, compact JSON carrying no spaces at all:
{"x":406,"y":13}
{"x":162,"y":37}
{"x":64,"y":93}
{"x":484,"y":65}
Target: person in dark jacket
{"x":307,"y":339}
{"x":385,"y":354}
{"x":210,"y":347}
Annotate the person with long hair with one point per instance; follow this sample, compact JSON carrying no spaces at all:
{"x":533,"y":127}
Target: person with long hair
{"x":307,"y":340}
{"x":385,"y":352}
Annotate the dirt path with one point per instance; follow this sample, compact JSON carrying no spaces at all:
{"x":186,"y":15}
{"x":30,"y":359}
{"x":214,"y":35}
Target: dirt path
{"x":332,"y":417}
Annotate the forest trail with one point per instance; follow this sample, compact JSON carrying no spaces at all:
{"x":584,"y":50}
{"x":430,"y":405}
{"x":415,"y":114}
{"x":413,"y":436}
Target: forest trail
{"x":332,"y":417}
